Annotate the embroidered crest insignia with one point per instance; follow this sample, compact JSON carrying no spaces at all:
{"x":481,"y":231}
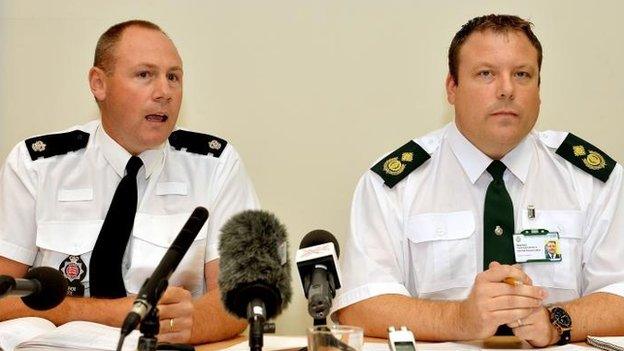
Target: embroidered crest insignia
{"x":579,"y":150}
{"x":594,"y":161}
{"x":393,"y":166}
{"x":38,"y":146}
{"x":215,"y":145}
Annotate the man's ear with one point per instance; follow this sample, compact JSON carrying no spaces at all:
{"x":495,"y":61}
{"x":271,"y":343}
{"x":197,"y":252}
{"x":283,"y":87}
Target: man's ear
{"x":97,"y":83}
{"x":451,"y":88}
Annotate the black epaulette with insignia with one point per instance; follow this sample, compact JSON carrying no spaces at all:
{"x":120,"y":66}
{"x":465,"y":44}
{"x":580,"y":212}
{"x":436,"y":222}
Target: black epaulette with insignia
{"x":586,"y":157}
{"x":197,"y":143}
{"x":396,"y":166}
{"x":56,"y":144}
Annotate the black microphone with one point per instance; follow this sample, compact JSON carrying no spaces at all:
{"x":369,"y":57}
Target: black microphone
{"x":317,"y":262}
{"x":42,"y":288}
{"x":254,"y":276}
{"x":155,"y":286}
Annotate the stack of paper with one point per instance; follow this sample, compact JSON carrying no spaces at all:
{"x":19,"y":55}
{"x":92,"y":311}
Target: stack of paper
{"x":610,"y":343}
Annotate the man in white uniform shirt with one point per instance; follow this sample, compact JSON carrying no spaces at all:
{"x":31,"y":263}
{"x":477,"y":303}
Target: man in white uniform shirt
{"x":56,"y":190}
{"x":429,"y":247}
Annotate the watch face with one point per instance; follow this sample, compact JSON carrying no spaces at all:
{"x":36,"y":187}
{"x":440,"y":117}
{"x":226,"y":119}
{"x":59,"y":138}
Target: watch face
{"x":561,"y":317}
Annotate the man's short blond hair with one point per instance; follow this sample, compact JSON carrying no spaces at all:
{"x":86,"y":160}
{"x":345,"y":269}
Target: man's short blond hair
{"x":105,"y":49}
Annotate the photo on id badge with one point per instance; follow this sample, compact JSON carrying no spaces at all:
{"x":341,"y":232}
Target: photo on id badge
{"x":551,"y":250}
{"x":536,"y":245}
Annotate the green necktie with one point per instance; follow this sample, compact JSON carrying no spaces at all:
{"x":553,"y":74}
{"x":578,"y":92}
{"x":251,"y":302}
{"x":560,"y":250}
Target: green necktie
{"x":498,"y":220}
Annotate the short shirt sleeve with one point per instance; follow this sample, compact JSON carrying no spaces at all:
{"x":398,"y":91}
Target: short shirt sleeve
{"x":235,"y":194}
{"x":372,"y":262}
{"x":17,"y":207}
{"x":603,"y":270}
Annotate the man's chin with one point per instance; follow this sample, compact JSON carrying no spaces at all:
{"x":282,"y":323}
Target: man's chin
{"x":154,"y":141}
{"x":509,"y":131}
{"x":157,"y":132}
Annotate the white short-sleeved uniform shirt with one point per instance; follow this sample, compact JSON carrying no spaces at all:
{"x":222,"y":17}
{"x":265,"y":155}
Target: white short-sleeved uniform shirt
{"x":53,"y":208}
{"x":424,"y":236}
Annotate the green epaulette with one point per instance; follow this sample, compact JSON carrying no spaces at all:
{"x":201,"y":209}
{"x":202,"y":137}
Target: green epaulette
{"x":586,"y":157}
{"x":400,"y":163}
{"x":197,"y":143}
{"x":56,"y":144}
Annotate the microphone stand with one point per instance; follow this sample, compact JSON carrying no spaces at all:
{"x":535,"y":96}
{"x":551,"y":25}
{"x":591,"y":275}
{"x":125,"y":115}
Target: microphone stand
{"x":150,"y":327}
{"x":256,"y":316}
{"x":320,"y":321}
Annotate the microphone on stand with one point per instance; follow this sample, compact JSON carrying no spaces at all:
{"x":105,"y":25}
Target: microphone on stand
{"x":254,"y":276}
{"x":157,"y":283}
{"x":317,"y":262}
{"x":42,"y":288}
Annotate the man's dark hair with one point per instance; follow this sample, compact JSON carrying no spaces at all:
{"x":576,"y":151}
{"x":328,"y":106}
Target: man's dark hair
{"x":104,"y":50}
{"x":496,"y":23}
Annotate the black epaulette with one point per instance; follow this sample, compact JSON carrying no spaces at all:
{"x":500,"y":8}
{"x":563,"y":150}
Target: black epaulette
{"x":197,"y":143}
{"x":56,"y":144}
{"x":586,"y":157}
{"x":399,"y":164}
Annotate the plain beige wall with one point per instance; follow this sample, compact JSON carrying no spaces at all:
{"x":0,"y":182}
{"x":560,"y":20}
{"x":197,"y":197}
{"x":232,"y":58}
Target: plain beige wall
{"x":310,"y":92}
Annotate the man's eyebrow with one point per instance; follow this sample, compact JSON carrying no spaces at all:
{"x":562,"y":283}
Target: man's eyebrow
{"x":148,"y":65}
{"x":485,"y":64}
{"x":526,"y":66}
{"x":482,"y":64}
{"x":153,"y":66}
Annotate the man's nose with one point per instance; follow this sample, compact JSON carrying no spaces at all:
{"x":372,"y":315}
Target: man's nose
{"x":162,"y":90}
{"x":505,"y":87}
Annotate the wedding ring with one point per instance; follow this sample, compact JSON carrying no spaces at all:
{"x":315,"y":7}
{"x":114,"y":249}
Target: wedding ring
{"x":171,"y":325}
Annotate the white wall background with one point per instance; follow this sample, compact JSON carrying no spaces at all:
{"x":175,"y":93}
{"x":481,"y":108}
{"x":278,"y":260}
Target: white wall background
{"x":310,"y":92}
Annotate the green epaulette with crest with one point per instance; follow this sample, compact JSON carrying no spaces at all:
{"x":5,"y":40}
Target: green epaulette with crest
{"x":400,"y":163}
{"x":586,"y":157}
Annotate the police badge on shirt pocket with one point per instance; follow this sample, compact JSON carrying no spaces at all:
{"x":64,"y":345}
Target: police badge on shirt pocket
{"x":569,"y":225}
{"x":442,"y":249}
{"x":152,"y":235}
{"x":67,"y":246}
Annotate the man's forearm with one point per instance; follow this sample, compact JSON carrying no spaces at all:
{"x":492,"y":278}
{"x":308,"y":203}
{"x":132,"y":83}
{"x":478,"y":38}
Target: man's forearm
{"x":429,"y":320}
{"x":211,"y":322}
{"x":104,"y":311}
{"x":596,"y":314}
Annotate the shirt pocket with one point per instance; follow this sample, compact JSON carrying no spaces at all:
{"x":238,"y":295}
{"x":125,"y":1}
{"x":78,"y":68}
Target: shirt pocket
{"x":442,"y":250}
{"x":152,"y":236}
{"x":59,"y":240}
{"x":564,"y":274}
{"x":74,"y":195}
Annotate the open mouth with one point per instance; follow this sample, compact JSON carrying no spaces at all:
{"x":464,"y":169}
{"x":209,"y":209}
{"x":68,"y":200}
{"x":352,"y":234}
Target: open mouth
{"x":157,"y":117}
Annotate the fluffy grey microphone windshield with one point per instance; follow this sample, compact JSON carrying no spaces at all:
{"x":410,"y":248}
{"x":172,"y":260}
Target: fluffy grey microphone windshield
{"x":254,"y":249}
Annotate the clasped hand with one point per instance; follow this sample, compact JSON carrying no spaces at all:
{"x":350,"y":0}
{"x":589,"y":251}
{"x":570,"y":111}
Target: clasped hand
{"x":492,"y":303}
{"x":176,"y":315}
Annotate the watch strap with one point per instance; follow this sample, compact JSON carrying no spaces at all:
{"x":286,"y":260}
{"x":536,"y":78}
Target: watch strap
{"x":564,"y":337}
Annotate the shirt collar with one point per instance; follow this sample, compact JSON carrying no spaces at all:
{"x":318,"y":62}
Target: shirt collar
{"x":519,"y":159}
{"x":474,"y":162}
{"x":118,"y":157}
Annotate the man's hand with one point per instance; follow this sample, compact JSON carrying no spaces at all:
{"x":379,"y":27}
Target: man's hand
{"x":492,"y":303}
{"x":536,"y":328}
{"x":176,"y":315}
